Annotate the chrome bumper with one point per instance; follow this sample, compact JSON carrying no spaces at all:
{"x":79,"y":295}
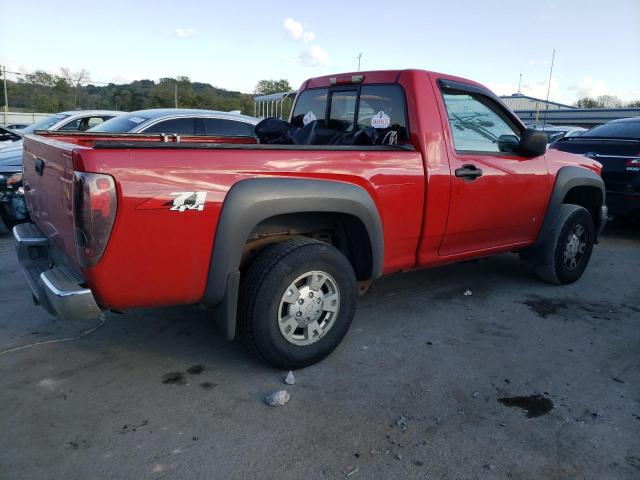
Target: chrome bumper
{"x":56,"y":285}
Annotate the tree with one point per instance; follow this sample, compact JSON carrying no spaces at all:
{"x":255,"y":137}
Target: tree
{"x":609,"y":101}
{"x":75,"y":81}
{"x":587,"y":102}
{"x":266,"y":87}
{"x":602,"y":101}
{"x":633,"y":104}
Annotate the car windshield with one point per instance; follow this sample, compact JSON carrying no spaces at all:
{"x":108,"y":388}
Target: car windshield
{"x":45,"y":123}
{"x":615,"y":130}
{"x":121,"y":124}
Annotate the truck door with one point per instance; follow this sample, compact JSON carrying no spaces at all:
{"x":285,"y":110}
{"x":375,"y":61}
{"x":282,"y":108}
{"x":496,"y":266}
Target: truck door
{"x":497,"y":196}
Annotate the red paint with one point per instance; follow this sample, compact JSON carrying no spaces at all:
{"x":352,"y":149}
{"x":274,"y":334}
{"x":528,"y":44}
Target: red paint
{"x":159,"y":257}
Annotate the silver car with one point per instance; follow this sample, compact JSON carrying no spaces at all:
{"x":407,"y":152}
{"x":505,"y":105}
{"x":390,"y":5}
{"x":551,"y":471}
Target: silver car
{"x":181,"y":121}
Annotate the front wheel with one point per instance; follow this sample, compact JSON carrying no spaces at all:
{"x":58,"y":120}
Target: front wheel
{"x":566,"y":253}
{"x":297,"y":300}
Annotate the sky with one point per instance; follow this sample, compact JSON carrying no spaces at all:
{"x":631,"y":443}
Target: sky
{"x":234,"y":44}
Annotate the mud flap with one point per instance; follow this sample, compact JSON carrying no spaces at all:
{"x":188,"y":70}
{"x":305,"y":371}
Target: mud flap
{"x":224,"y":314}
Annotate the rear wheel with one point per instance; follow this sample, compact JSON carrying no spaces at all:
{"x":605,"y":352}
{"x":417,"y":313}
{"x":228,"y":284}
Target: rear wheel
{"x":566,"y":254}
{"x":297,"y":300}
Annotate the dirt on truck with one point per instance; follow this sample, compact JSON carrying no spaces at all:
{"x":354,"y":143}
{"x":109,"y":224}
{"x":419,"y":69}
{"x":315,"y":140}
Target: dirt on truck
{"x":378,"y":172}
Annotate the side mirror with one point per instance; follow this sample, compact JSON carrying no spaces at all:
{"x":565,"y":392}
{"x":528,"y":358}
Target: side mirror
{"x":508,"y":143}
{"x":533,"y":143}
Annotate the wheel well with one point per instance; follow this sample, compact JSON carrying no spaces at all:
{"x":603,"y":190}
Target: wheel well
{"x":587,"y":197}
{"x":345,"y":232}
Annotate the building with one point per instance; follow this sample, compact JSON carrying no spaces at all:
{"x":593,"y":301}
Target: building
{"x":536,"y":110}
{"x":519,"y":102}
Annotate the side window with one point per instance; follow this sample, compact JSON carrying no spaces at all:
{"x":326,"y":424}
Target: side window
{"x":342,"y":111}
{"x":72,"y":126}
{"x":476,"y":122}
{"x":181,"y":126}
{"x":95,"y":121}
{"x":230,"y":128}
{"x":310,"y":105}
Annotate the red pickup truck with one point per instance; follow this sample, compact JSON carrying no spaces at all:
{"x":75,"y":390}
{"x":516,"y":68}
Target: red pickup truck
{"x":279,"y":239}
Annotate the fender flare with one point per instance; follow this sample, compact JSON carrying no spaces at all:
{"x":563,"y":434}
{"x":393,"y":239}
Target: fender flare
{"x":567,"y":178}
{"x":253,"y":200}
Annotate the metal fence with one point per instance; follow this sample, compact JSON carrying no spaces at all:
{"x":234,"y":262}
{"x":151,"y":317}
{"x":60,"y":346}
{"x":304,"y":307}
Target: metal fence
{"x":10,"y":118}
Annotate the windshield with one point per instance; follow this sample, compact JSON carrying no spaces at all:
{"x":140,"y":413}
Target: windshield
{"x":121,"y":124}
{"x":45,"y":123}
{"x":615,"y":130}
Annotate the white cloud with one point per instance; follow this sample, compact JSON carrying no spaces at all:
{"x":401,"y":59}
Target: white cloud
{"x":531,"y":89}
{"x":589,"y":87}
{"x":297,"y":31}
{"x":183,"y":32}
{"x":313,"y":56}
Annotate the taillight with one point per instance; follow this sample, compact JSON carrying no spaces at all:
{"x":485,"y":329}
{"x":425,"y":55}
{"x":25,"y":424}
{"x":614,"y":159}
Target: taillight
{"x":94,"y":211}
{"x":634,"y":163}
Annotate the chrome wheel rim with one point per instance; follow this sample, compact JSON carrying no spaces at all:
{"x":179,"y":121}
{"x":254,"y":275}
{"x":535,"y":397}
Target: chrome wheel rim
{"x":575,"y":247}
{"x":308,"y":308}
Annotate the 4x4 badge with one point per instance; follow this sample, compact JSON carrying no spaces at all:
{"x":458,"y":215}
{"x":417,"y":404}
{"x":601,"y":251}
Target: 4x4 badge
{"x":188,"y":201}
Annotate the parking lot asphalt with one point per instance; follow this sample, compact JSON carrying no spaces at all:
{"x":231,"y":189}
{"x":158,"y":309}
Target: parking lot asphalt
{"x":412,"y":392}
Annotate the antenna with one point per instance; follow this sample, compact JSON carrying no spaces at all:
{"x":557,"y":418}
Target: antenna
{"x":359,"y":56}
{"x":544,"y":120}
{"x":519,"y":83}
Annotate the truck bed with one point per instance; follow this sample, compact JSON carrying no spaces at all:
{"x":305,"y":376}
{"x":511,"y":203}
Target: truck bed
{"x":174,"y":248}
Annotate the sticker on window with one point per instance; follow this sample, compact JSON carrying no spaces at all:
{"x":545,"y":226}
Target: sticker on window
{"x":380,"y":120}
{"x":136,"y":119}
{"x":308,"y":118}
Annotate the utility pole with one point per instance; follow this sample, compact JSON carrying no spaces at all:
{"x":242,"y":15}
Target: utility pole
{"x":359,"y":57}
{"x":176,"y":94}
{"x":6,"y":98}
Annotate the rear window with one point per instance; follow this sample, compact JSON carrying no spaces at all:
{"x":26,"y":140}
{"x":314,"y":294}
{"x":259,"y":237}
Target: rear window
{"x":46,"y":123}
{"x":615,"y":130}
{"x":121,"y":124}
{"x":382,"y":107}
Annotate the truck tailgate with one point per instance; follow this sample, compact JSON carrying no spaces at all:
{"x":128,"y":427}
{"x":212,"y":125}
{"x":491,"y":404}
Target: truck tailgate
{"x":48,"y":175}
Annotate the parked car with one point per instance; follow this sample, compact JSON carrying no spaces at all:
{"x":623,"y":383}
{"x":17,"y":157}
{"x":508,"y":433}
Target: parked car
{"x":181,"y":121}
{"x":616,"y":145}
{"x":556,"y":132}
{"x":11,"y":156}
{"x":280,"y":238}
{"x":13,"y":209}
{"x":17,"y":126}
{"x":8,"y":137}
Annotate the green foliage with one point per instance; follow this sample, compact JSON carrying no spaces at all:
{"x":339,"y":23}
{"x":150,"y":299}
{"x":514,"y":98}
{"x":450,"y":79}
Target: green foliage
{"x":605,"y":101}
{"x":266,"y":87}
{"x":44,"y":92}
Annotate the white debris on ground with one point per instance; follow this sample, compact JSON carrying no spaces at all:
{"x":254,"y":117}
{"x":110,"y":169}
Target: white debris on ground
{"x":278,"y":399}
{"x":467,"y":293}
{"x":290,"y":379}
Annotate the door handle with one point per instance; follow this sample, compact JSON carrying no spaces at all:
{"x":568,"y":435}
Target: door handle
{"x":468,"y":172}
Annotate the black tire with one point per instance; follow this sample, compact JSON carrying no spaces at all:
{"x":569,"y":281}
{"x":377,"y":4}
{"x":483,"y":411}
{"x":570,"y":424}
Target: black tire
{"x":263,"y":285}
{"x":549,"y":261}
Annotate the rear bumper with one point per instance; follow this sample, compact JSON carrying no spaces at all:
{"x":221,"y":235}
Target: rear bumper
{"x":624,"y":204}
{"x":56,"y":285}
